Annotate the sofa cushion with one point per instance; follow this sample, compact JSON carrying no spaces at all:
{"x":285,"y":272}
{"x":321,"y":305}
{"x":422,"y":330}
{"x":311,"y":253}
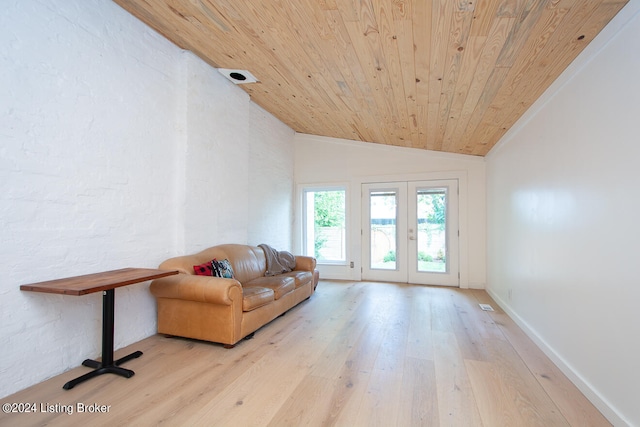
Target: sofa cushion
{"x":255,"y":297}
{"x":281,"y":285}
{"x":301,"y":277}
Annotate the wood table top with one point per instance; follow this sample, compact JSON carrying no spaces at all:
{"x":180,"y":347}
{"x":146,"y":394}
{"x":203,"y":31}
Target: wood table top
{"x":90,"y":283}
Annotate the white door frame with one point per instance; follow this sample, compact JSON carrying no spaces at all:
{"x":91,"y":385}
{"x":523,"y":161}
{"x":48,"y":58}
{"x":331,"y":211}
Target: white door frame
{"x":406,"y":244}
{"x":356,"y":216}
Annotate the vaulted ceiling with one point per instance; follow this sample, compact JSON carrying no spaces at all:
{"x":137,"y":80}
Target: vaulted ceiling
{"x":445,"y":75}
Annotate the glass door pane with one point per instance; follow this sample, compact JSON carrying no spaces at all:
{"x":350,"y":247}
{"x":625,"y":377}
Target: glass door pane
{"x":431,"y":224}
{"x":433,"y":232}
{"x":383,"y":234}
{"x":384,"y":231}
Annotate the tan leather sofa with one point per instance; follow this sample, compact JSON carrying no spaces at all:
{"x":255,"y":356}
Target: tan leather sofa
{"x":228,"y":310}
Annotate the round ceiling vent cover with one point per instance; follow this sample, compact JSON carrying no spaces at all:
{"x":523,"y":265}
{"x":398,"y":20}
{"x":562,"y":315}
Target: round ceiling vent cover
{"x":238,"y":76}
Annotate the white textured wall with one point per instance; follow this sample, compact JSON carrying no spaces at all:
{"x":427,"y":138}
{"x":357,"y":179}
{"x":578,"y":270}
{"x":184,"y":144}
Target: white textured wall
{"x":271,"y":163}
{"x":563,"y":231}
{"x":217,"y":115}
{"x":117,"y":149}
{"x":321,"y":160}
{"x":239,"y":165}
{"x":87,"y":114}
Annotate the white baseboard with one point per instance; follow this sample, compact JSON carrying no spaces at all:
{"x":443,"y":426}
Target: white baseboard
{"x":590,"y":393}
{"x":477,"y":285}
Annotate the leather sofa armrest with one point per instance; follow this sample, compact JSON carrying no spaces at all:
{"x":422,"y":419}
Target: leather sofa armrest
{"x":212,"y":290}
{"x":305,"y":263}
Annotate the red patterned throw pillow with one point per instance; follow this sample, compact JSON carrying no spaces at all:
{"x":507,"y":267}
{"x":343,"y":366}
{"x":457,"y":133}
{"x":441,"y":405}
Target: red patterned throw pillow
{"x":205,"y":269}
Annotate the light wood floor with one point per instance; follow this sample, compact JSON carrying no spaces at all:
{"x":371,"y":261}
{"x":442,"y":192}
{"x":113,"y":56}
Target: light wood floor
{"x":355,"y":354}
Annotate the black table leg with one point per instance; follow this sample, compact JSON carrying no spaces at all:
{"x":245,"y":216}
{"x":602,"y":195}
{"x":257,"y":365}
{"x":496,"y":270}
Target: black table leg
{"x":107,"y":365}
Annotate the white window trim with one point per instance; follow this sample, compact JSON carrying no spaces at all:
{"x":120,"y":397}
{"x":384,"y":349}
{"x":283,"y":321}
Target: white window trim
{"x":303,"y":189}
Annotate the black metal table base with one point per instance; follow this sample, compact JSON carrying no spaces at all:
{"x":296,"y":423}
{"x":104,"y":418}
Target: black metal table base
{"x":99,"y":370}
{"x":107,"y":365}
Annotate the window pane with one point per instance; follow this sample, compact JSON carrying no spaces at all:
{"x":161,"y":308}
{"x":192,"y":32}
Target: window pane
{"x":383,"y":213}
{"x":325,"y":225}
{"x":432,"y":241}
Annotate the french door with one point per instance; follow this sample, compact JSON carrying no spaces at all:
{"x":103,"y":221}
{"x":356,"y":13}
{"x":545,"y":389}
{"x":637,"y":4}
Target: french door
{"x":410,"y":232}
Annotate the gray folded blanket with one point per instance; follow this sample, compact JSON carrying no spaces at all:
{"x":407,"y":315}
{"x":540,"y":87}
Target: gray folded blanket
{"x":278,"y":262}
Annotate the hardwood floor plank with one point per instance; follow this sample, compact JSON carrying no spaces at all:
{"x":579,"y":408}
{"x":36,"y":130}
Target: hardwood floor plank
{"x":297,"y":412}
{"x":419,"y":396}
{"x":440,"y":311}
{"x":456,"y":401}
{"x":355,"y":354}
{"x":352,"y":390}
{"x":507,"y":394}
{"x":466,"y":327}
{"x":392,"y":352}
{"x":495,"y":399}
{"x":419,"y":339}
{"x":331,"y":361}
{"x":379,"y":406}
{"x":352,"y":380}
{"x":475,"y":318}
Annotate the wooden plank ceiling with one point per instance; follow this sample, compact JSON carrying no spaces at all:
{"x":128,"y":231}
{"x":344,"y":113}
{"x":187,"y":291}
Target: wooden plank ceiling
{"x":445,"y":75}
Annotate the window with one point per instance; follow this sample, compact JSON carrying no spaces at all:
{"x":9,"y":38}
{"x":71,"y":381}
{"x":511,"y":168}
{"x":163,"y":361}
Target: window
{"x":324,"y":224}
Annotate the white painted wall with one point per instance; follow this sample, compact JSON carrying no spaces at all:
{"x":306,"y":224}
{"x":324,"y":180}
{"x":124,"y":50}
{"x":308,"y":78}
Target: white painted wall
{"x":321,"y":160}
{"x":271,"y":163}
{"x":87,"y":118}
{"x":238,"y":165}
{"x":117,"y":149}
{"x":563,"y":229}
{"x":216,"y":159}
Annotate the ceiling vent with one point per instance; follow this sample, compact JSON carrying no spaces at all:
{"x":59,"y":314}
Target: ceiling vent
{"x":238,"y":77}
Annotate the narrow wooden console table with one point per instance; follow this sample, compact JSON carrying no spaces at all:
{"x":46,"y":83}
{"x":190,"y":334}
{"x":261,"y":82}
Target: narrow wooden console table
{"x":105,"y":282}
